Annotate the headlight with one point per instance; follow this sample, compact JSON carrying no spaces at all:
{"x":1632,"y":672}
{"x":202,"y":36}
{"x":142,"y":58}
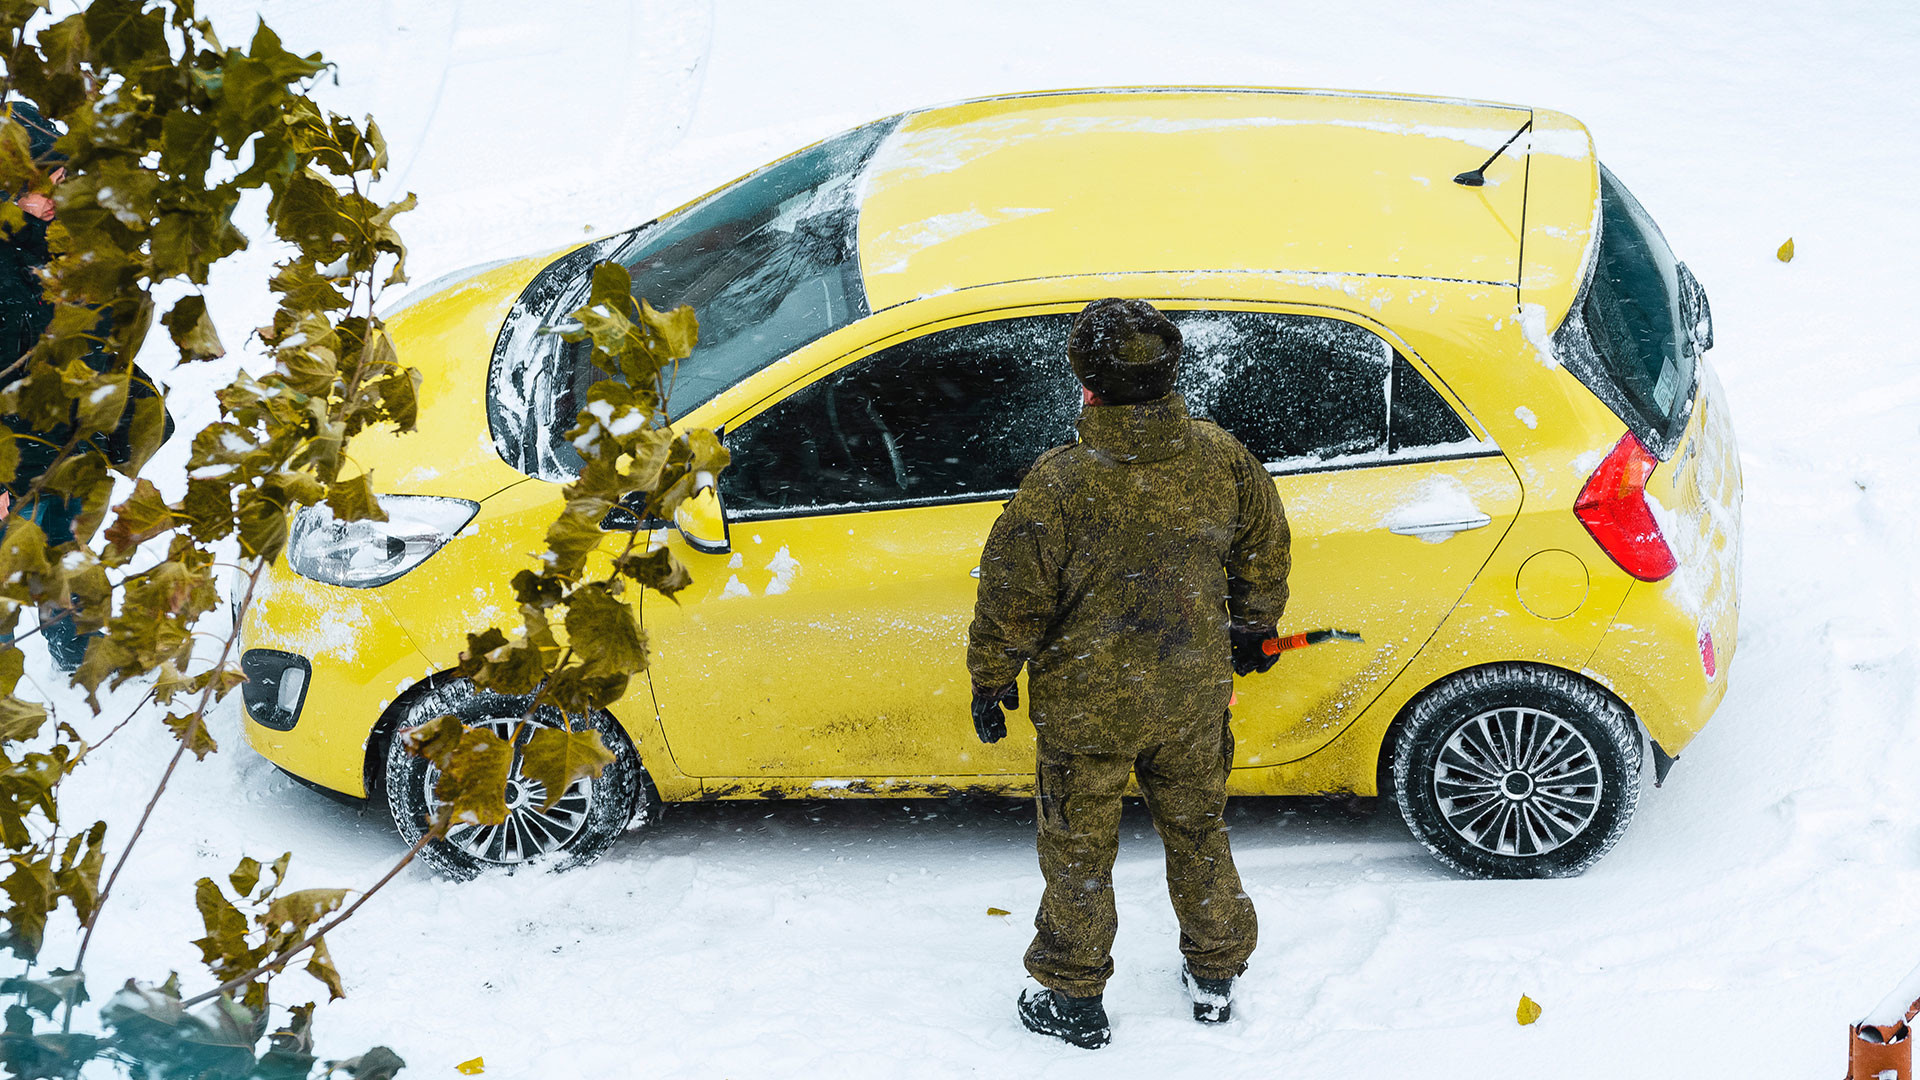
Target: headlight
{"x":363,"y":554}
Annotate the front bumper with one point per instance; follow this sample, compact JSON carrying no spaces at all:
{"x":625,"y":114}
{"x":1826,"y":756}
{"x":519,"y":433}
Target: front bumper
{"x":357,"y":658}
{"x":276,"y":687}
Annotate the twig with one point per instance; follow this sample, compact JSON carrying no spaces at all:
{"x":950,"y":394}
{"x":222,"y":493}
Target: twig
{"x":115,"y":730}
{"x":199,"y":718}
{"x":65,"y":614}
{"x":280,"y":962}
{"x":59,"y":459}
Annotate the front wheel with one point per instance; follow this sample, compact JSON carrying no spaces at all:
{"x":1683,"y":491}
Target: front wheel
{"x":575,"y":830}
{"x":1517,"y":771}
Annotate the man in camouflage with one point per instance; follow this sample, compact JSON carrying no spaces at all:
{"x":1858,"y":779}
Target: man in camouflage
{"x":1133,"y":574}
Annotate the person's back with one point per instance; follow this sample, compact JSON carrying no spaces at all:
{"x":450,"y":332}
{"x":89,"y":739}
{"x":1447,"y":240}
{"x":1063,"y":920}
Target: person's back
{"x":1131,"y":575}
{"x":1137,"y":522}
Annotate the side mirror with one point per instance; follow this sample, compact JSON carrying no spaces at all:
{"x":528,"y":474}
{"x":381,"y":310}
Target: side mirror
{"x":626,"y":517}
{"x":702,"y":520}
{"x":1695,"y":311}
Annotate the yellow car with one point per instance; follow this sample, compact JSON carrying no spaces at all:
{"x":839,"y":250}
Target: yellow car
{"x":1464,"y":350}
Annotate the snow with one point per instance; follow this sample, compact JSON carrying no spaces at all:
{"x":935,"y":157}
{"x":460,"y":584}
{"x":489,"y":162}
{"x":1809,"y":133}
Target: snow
{"x":783,"y":566}
{"x":628,"y":422}
{"x":1762,"y":899}
{"x":1900,"y":1004}
{"x":904,"y":241}
{"x":1533,"y":326}
{"x":1442,"y":500}
{"x":930,"y":152}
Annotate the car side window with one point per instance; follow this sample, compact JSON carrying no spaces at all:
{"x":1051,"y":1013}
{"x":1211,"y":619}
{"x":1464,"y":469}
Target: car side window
{"x":953,"y":415}
{"x":1298,"y":390}
{"x":1420,"y":416}
{"x":1287,"y":386}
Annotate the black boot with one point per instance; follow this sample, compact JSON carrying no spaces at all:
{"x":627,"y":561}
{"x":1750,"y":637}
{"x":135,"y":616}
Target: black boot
{"x":1081,"y":1021}
{"x":1212,"y":998}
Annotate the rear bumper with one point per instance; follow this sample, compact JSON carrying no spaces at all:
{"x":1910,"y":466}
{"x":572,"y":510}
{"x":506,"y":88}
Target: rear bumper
{"x":1655,"y":657}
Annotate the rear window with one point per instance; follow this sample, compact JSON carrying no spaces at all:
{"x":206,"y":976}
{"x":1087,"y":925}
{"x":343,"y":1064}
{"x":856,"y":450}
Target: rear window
{"x":769,"y":264}
{"x":1626,"y":338}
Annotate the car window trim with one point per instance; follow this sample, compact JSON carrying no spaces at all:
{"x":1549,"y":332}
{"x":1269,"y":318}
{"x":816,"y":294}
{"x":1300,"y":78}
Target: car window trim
{"x":1276,"y":469}
{"x":1415,"y":456}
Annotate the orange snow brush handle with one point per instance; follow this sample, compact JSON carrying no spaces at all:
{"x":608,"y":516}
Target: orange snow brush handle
{"x":1274,"y":646}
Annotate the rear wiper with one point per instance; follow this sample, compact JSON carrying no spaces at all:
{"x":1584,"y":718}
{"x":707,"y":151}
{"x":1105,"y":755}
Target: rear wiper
{"x":1478,"y":177}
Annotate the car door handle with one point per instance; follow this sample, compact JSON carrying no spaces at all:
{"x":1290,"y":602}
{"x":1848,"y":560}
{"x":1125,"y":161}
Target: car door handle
{"x":1436,"y":528}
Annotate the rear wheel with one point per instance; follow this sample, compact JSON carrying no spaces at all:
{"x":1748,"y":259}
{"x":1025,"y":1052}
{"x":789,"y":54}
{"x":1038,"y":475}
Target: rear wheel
{"x":1517,"y":771}
{"x":575,"y":830}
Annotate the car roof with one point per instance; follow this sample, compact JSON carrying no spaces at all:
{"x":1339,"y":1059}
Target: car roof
{"x":1152,"y":180}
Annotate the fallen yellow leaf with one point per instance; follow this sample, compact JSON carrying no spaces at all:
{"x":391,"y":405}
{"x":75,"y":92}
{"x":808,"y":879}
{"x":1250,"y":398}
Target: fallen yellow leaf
{"x":998,"y":911}
{"x":1785,"y":253}
{"x":1529,"y":1010}
{"x":472,"y":1068}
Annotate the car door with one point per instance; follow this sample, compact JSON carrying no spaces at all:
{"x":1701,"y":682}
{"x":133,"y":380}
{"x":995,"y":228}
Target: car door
{"x":830,"y":640}
{"x":1393,"y":503}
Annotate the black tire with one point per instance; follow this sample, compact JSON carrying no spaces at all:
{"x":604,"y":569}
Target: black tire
{"x":1568,"y":760}
{"x":576,"y":832}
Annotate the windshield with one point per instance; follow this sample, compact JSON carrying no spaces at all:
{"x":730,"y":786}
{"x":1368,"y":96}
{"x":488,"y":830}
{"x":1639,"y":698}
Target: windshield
{"x":1626,"y":338}
{"x":769,"y":264}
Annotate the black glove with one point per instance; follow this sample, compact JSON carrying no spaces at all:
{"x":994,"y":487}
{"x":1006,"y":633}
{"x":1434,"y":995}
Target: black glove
{"x":1250,"y":656}
{"x":988,"y":721}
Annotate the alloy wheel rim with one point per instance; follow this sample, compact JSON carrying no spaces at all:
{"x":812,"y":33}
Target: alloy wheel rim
{"x":529,"y":831}
{"x":1518,"y":782}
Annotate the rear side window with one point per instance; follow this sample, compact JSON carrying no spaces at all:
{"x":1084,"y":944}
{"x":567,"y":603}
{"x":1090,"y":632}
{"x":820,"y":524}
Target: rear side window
{"x":1419,"y":416}
{"x":1287,"y":386}
{"x":1626,"y":336}
{"x":1302,"y":391}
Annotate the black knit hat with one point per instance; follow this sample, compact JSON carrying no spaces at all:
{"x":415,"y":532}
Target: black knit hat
{"x":40,"y":132}
{"x":1125,"y":351}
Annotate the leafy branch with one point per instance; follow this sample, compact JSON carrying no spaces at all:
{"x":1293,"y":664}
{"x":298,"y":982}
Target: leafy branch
{"x":164,"y":129}
{"x":632,"y":458}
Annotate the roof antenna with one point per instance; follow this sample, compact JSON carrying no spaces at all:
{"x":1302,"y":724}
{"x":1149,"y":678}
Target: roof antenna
{"x":1478,"y":177}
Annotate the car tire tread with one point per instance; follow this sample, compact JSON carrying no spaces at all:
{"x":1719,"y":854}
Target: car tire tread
{"x":1609,"y":727}
{"x":623,"y":794}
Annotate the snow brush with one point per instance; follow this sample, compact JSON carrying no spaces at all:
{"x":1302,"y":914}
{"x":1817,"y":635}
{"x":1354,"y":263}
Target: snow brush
{"x":1274,"y":646}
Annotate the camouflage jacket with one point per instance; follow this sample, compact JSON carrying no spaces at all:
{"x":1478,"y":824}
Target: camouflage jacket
{"x":1116,"y":569}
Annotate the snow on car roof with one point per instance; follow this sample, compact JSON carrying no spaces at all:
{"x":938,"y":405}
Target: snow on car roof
{"x":1134,"y":181}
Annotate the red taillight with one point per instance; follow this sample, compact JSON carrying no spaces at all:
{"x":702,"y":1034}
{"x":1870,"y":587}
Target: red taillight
{"x":1613,"y":507}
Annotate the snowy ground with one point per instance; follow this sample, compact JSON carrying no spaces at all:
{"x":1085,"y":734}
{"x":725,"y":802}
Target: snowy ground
{"x":1762,"y":899}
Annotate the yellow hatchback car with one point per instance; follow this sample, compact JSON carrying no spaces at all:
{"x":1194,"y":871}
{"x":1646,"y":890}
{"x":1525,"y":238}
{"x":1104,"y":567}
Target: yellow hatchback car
{"x":1465,"y":352}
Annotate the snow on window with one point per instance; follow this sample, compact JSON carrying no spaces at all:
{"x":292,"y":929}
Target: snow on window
{"x":962,"y":413}
{"x":769,"y":264}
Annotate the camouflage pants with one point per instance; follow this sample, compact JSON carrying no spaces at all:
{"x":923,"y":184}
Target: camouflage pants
{"x":1184,"y":782}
